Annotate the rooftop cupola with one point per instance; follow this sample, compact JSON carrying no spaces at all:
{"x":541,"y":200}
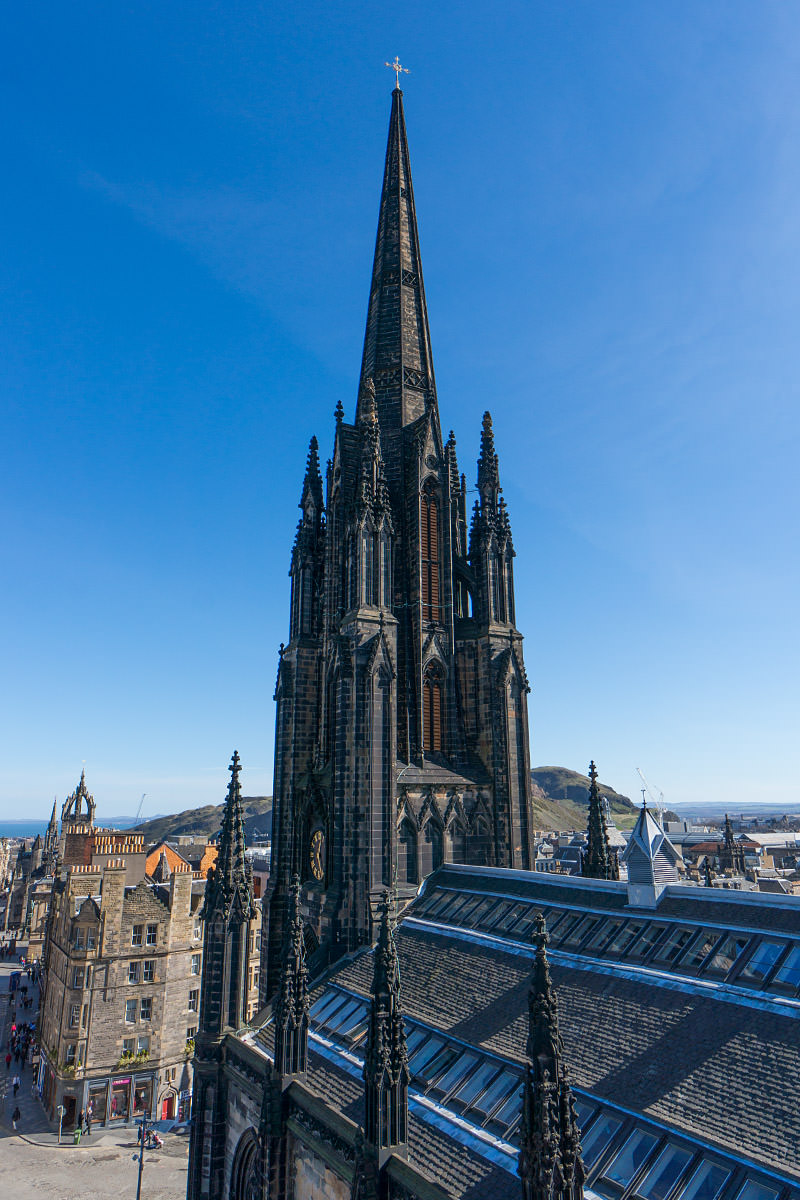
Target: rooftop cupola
{"x":651,"y":859}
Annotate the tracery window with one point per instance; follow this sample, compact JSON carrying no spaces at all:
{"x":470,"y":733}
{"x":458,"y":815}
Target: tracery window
{"x":429,"y":551}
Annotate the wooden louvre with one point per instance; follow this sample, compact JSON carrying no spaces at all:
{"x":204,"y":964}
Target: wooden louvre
{"x":432,"y":712}
{"x":429,"y":553}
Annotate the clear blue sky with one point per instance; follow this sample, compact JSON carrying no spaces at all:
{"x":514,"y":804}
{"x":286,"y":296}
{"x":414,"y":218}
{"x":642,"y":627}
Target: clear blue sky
{"x":609,"y":206}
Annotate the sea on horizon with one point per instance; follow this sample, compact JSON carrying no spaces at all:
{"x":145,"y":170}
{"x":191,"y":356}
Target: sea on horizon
{"x":29,"y":829}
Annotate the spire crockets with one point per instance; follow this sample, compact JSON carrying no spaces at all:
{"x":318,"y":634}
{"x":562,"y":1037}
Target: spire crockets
{"x":397,"y":344}
{"x":228,"y":886}
{"x":373,"y":493}
{"x":599,"y":860}
{"x":488,"y":468}
{"x":312,"y":483}
{"x":291,"y":1009}
{"x":386,"y":1074}
{"x":550,"y":1163}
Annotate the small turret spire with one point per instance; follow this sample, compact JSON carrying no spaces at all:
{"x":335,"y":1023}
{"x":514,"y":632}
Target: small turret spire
{"x":599,"y":861}
{"x":228,"y":886}
{"x":488,"y":469}
{"x":386,"y":1074}
{"x":550,"y":1163}
{"x":312,"y":482}
{"x":291,"y":1009}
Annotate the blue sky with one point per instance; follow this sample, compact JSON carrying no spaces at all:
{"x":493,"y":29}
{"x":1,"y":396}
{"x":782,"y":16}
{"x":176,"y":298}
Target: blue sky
{"x":608,"y":207}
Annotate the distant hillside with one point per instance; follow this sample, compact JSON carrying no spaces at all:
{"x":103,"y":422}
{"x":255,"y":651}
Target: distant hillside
{"x":560,"y":799}
{"x":205,"y":821}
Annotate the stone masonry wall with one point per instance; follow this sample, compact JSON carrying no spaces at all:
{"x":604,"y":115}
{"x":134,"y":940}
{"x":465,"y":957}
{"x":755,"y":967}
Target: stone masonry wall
{"x":313,"y":1179}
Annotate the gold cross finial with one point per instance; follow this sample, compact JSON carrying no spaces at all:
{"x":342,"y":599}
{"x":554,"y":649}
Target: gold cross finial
{"x":397,"y":68}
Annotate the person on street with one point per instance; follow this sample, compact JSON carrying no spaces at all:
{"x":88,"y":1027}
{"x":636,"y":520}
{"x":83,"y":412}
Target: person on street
{"x":8,"y":1060}
{"x":16,"y":1116}
{"x":16,"y":1085}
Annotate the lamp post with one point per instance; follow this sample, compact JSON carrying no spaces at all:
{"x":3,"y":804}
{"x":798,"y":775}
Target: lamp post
{"x":142,"y":1140}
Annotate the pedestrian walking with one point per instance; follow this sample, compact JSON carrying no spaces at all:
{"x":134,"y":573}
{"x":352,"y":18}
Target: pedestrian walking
{"x":89,"y":1115}
{"x":16,"y":1116}
{"x":15,"y":1083}
{"x":8,"y":1060}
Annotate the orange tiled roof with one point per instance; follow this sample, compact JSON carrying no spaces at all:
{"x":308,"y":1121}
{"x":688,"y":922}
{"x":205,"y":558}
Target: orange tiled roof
{"x":173,"y":858}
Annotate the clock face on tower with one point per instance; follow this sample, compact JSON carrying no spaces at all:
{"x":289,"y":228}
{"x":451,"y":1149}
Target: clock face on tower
{"x":316,"y":854}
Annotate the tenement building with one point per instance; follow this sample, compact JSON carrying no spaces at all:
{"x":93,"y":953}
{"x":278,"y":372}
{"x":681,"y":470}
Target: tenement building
{"x":121,"y":995}
{"x":438,"y":1019}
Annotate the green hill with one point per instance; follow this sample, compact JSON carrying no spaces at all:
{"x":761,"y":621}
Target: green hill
{"x":205,"y":821}
{"x":561,"y":796}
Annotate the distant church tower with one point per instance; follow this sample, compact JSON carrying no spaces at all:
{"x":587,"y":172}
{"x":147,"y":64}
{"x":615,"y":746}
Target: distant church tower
{"x":402,"y":718}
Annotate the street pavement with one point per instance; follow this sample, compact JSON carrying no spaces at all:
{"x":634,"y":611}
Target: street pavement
{"x":35,"y":1166}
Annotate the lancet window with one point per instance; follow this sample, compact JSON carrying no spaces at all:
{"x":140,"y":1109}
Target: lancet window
{"x":429,"y":548}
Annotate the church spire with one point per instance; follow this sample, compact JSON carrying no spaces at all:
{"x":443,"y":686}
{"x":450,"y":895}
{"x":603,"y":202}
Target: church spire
{"x":397,"y":344}
{"x":599,"y":861}
{"x":550,"y":1164}
{"x":386,"y":1074}
{"x":291,"y":1009}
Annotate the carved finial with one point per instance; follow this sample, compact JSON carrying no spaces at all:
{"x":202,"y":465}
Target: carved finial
{"x":339,"y":412}
{"x":398,"y":70}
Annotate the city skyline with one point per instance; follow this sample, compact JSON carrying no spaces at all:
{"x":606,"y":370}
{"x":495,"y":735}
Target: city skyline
{"x":610,"y":249}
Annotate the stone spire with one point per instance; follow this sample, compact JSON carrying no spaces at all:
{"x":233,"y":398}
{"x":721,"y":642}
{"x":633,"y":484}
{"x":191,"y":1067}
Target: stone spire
{"x":51,"y":841}
{"x":488,"y":468}
{"x":550,"y":1163}
{"x":386,"y":1074}
{"x":228,"y":886}
{"x":228,"y":907}
{"x":291,"y":1006}
{"x":312,"y":483}
{"x":599,"y":860}
{"x":397,"y":344}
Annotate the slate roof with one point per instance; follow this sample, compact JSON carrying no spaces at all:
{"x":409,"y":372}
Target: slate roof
{"x":718,"y":1067}
{"x":447,"y":1162}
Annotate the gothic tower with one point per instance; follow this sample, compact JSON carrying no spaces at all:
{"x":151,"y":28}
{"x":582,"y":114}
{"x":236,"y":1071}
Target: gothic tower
{"x":402,"y":721}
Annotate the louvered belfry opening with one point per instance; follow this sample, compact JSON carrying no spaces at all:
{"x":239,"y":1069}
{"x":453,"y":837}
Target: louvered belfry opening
{"x":429,"y":553}
{"x":432,"y":710}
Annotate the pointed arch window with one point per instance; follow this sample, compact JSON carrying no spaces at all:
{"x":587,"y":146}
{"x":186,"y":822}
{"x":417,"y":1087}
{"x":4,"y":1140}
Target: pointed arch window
{"x":429,"y":553}
{"x":432,"y":710}
{"x":370,"y":591}
{"x":386,"y":570}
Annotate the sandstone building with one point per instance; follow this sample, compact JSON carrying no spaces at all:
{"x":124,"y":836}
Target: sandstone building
{"x":121,"y":994}
{"x":121,"y":937}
